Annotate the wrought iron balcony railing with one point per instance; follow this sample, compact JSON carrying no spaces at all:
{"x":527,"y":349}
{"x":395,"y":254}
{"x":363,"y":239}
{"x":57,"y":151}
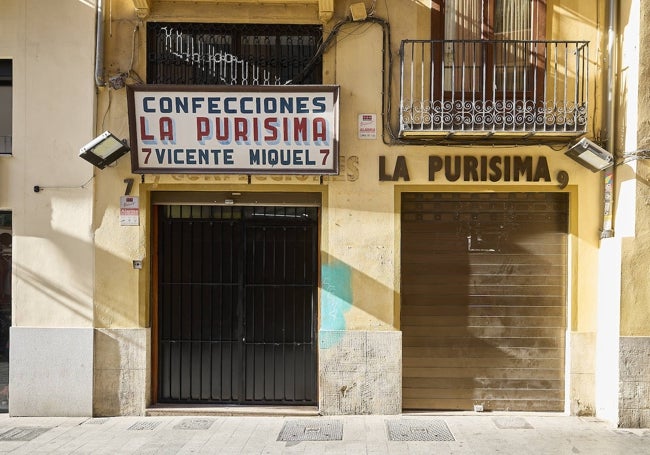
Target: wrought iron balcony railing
{"x":480,"y":88}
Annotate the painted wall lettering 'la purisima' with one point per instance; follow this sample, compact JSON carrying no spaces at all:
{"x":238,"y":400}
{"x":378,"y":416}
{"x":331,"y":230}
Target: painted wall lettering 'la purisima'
{"x":469,"y":168}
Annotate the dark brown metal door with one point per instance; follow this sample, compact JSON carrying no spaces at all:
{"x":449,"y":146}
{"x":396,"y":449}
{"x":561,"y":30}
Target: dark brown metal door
{"x":236,"y":304}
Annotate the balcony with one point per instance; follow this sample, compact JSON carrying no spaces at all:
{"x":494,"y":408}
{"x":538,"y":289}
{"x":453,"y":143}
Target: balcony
{"x":509,"y":90}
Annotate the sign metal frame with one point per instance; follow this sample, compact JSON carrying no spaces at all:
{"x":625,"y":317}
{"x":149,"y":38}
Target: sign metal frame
{"x":249,"y":130}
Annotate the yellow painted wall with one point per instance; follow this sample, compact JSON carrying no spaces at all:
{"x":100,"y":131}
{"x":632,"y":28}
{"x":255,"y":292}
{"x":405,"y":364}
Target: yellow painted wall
{"x":73,"y":260}
{"x":53,"y":116}
{"x":634,"y":177}
{"x":360,"y":233}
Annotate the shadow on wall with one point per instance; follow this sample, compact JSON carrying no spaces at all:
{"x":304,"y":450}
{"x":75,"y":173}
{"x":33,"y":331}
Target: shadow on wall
{"x":52,"y":292}
{"x":483,"y":308}
{"x":359,"y":348}
{"x":47,"y":249}
{"x":352,"y":300}
{"x":121,"y":385}
{"x":53,"y":259}
{"x":120,"y":355}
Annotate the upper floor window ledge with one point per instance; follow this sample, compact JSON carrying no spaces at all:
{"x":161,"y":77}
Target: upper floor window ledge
{"x":325,"y":7}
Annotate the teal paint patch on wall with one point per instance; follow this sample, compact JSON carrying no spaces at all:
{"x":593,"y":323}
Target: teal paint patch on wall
{"x":336,"y":300}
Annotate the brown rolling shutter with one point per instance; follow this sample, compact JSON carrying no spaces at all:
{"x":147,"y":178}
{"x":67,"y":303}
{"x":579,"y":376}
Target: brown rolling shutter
{"x":483,"y":300}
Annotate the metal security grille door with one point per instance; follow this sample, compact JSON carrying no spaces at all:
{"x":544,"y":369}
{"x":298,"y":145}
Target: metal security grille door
{"x":236,"y":304}
{"x":483,"y":292}
{"x":279,"y":305}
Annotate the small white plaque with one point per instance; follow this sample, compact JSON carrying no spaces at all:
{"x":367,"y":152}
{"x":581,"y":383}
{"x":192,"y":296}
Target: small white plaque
{"x":367,"y":126}
{"x":129,"y":211}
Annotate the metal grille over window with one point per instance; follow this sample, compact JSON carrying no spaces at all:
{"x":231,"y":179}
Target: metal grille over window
{"x":232,"y":54}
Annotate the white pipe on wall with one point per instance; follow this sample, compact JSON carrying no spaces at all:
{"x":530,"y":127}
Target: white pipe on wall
{"x":608,"y":229}
{"x":99,"y":45}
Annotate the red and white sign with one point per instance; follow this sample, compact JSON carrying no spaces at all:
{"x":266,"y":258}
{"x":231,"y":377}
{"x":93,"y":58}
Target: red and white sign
{"x":129,"y":211}
{"x":367,"y":126}
{"x":234,"y":129}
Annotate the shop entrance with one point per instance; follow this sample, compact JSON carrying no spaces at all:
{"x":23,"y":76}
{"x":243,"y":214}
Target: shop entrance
{"x":236,"y":304}
{"x":483,"y":300}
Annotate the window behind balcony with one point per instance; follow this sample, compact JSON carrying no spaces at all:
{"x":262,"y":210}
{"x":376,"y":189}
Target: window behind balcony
{"x":495,"y":19}
{"x":489,"y":70}
{"x":490,"y":45}
{"x":5,"y":106}
{"x":233,"y":54}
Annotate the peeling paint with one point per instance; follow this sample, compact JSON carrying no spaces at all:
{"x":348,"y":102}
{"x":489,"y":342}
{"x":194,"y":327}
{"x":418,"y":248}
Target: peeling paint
{"x":336,"y":300}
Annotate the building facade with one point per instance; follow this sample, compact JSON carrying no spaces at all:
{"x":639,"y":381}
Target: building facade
{"x":349,"y":207}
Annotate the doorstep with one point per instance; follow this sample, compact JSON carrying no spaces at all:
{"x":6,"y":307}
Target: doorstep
{"x":211,"y":410}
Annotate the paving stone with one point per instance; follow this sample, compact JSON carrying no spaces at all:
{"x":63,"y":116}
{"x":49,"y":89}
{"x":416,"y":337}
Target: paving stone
{"x":509,"y":434}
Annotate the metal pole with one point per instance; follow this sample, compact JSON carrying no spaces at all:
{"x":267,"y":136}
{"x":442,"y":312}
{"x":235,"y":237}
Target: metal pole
{"x":99,"y":45}
{"x":608,"y":229}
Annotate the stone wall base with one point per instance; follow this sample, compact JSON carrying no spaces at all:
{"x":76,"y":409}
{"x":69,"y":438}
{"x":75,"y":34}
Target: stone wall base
{"x":51,"y":372}
{"x":122,"y":375}
{"x":360,"y":372}
{"x":634,"y":382}
{"x":582,"y":378}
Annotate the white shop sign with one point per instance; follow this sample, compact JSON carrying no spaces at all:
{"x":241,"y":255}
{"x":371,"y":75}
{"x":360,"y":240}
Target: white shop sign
{"x":234,"y":129}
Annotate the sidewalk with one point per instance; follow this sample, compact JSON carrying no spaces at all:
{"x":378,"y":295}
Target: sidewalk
{"x":488,"y":433}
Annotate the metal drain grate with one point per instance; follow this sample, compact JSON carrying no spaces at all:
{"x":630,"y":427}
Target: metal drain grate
{"x":418,"y":430}
{"x":194,"y":424}
{"x":511,"y":423}
{"x":144,"y":425}
{"x":23,"y":433}
{"x":312,"y":430}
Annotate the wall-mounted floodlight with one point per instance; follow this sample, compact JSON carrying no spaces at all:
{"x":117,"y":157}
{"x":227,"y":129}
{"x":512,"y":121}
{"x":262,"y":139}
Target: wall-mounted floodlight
{"x":103,"y":150}
{"x":590,"y":155}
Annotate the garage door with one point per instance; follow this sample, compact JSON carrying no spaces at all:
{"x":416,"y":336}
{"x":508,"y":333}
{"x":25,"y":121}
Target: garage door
{"x":483,"y":300}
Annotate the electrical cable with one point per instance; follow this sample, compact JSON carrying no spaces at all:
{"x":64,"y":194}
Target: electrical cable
{"x":633,"y":156}
{"x":108,"y":108}
{"x":133,"y":49}
{"x":39,"y":188}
